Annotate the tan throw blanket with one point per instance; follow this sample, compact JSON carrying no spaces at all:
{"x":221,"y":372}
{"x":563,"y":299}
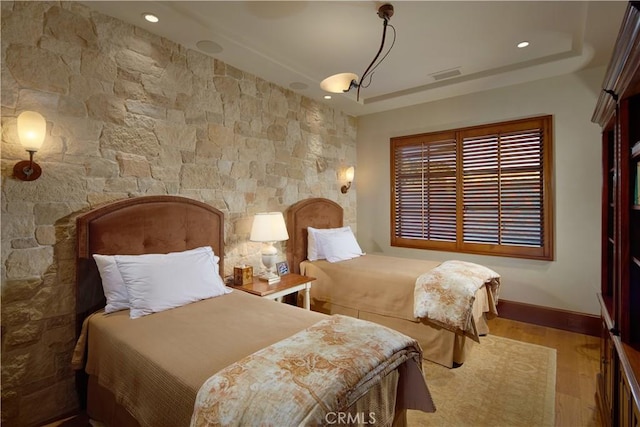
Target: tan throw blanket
{"x":298,"y":382}
{"x":445,"y":294}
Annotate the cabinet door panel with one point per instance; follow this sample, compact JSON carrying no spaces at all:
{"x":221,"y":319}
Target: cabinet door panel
{"x":624,"y":403}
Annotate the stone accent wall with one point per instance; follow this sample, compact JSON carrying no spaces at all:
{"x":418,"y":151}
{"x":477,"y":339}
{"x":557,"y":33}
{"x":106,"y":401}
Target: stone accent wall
{"x":130,"y":114}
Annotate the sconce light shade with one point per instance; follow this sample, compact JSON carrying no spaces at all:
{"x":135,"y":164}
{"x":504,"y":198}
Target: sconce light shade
{"x":32,"y":128}
{"x":339,"y":83}
{"x":349,"y":175}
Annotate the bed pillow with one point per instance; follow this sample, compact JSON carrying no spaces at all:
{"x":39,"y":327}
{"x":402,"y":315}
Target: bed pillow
{"x":112,"y":284}
{"x":339,"y":246}
{"x":314,"y":252}
{"x":158,"y":282}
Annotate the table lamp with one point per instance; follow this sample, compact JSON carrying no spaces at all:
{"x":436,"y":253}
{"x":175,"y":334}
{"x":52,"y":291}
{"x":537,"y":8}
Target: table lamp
{"x":268,"y":228}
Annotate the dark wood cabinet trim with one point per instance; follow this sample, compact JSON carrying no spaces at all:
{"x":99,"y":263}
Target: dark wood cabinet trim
{"x":622,"y":73}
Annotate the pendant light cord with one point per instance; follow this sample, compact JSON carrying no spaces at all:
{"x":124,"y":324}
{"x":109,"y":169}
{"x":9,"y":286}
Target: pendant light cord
{"x":369,"y":71}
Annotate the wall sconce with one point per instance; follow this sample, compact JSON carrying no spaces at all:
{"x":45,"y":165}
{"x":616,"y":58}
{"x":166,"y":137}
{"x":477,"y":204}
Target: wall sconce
{"x":343,"y":82}
{"x":32,"y":128}
{"x":348,"y":174}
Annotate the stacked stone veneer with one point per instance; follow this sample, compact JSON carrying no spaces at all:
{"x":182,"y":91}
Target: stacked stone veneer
{"x":131,"y":114}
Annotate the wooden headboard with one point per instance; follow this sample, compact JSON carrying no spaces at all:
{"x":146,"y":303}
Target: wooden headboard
{"x":141,"y":225}
{"x":317,"y":213}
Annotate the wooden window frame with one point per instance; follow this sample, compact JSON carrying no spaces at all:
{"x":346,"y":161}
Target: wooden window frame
{"x":543,"y":252}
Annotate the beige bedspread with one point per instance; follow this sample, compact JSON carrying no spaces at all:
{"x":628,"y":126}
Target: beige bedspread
{"x":155,"y":365}
{"x":373,"y":283}
{"x":379,"y":284}
{"x":318,"y":381}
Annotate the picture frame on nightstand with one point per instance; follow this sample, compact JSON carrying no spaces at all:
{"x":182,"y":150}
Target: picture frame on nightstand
{"x":282,"y":268}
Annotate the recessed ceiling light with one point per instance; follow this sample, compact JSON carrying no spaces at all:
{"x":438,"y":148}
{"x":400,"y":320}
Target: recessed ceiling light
{"x":209,"y":46}
{"x":523,"y":44}
{"x":150,"y":17}
{"x":327,"y":97}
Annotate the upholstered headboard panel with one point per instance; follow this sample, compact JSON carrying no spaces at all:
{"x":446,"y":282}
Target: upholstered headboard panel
{"x":317,"y":213}
{"x":141,"y":225}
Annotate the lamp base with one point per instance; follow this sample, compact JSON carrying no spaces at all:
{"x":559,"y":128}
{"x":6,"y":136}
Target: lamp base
{"x":269,"y":257}
{"x":27,"y":170}
{"x":269,"y":277}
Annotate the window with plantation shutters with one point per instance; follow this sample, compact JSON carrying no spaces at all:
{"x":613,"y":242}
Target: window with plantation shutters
{"x":485,"y":189}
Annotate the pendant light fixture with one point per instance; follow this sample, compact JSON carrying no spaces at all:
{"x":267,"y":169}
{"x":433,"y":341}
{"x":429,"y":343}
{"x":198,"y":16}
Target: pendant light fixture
{"x":344,"y":82}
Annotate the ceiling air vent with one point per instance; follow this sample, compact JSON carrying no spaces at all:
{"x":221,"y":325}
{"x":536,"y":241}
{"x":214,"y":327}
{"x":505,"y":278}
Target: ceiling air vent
{"x":445,"y":74}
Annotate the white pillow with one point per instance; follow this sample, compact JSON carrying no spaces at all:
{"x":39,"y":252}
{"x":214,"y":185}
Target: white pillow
{"x":314,"y":252}
{"x":158,"y":282}
{"x":339,"y":246}
{"x":113,"y":286}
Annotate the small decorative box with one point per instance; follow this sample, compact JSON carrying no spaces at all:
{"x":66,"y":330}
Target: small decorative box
{"x":242,"y":275}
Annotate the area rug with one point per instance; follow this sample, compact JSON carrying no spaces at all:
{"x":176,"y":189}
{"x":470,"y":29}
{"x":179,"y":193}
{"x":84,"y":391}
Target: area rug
{"x":503,"y":383}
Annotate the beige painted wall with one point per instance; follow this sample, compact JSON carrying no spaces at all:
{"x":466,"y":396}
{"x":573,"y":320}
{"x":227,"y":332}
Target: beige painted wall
{"x":571,"y":281}
{"x":131,"y":114}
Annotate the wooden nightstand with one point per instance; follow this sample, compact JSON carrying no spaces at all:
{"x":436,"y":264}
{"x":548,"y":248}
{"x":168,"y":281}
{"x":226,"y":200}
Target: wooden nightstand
{"x":288,"y":284}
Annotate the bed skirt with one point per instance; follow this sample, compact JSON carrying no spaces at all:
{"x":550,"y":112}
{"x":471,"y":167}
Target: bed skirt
{"x":439,"y":345}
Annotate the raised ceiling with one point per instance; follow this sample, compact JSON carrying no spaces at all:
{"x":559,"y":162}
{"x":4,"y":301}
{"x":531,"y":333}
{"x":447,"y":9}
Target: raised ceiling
{"x":296,"y":44}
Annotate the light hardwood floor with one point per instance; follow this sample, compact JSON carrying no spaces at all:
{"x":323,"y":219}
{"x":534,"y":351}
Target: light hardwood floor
{"x":577,"y":365}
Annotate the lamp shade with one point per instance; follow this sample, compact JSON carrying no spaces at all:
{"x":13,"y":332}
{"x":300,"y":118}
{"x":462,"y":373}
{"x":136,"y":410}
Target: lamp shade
{"x":268,"y":227}
{"x":338,"y":83}
{"x":349,"y":173}
{"x":32,"y":128}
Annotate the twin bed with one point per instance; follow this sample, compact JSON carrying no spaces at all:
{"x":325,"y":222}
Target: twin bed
{"x":381,"y":288}
{"x":233,"y":359}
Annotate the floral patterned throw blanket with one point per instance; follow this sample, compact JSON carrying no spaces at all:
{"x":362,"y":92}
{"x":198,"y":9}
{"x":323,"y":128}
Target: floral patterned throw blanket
{"x":299,"y":380}
{"x":445,"y":294}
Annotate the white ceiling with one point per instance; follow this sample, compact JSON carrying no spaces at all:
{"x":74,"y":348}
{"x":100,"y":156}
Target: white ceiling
{"x":305,"y":41}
